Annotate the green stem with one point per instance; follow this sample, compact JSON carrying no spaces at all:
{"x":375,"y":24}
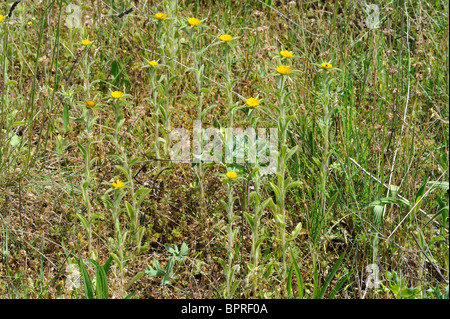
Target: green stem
{"x":229,"y":272}
{"x":326,"y":147}
{"x":88,"y":180}
{"x":282,"y":170}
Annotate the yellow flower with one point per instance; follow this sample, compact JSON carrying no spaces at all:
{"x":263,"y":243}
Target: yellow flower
{"x":231,"y":175}
{"x":225,"y":37}
{"x":161,"y":16}
{"x":90,"y":103}
{"x":86,"y":43}
{"x":117,"y":94}
{"x":252,"y":102}
{"x":194,"y":21}
{"x":117,"y":184}
{"x":2,"y":18}
{"x":326,"y":65}
{"x":153,"y":63}
{"x":283,"y":69}
{"x":286,"y":54}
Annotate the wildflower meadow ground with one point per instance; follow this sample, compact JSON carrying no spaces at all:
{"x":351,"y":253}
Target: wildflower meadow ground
{"x":236,"y":149}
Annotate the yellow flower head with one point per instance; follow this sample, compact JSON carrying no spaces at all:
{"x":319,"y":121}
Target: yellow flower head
{"x":225,"y":37}
{"x":90,"y":103}
{"x":117,"y":184}
{"x":193,"y":21}
{"x":153,"y":63}
{"x":284,"y":69}
{"x":231,"y":175}
{"x":86,"y":43}
{"x":286,"y":54}
{"x":252,"y":102}
{"x":2,"y":18}
{"x":117,"y":94}
{"x":326,"y":65}
{"x":161,"y":16}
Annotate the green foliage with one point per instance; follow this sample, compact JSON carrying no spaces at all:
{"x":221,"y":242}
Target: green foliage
{"x":361,"y":170}
{"x":396,"y":285}
{"x":100,"y":291}
{"x":178,"y":255}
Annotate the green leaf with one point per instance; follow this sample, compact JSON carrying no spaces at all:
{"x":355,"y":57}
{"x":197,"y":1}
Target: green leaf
{"x":131,"y":294}
{"x":235,"y":286}
{"x":130,"y":211}
{"x":291,"y":185}
{"x":289,"y":283}
{"x":115,"y":72}
{"x":134,"y":279}
{"x":155,"y":272}
{"x":83,"y":221}
{"x":101,"y":282}
{"x":65,"y":117}
{"x":205,"y":90}
{"x":339,"y":285}
{"x":134,"y":161}
{"x":444,"y":185}
{"x":168,"y":274}
{"x":436,"y":239}
{"x":107,"y":264}
{"x":280,"y":219}
{"x":221,"y":261}
{"x":378,"y":214}
{"x":298,"y":274}
{"x":206,"y":110}
{"x":276,"y":191}
{"x":82,"y":149}
{"x":19,"y":123}
{"x":330,"y":276}
{"x":140,"y":195}
{"x":184,"y":251}
{"x":291,"y":152}
{"x":117,"y":260}
{"x":140,"y":235}
{"x":249,"y":220}
{"x":421,"y":190}
{"x":296,"y":231}
{"x":192,"y":96}
{"x":124,"y":171}
{"x":96,"y":216}
{"x":86,"y":281}
{"x":389,"y":200}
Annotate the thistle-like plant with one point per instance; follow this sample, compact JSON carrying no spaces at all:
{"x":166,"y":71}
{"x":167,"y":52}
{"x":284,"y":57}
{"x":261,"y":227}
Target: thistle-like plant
{"x":230,"y":267}
{"x":125,"y":165}
{"x":89,"y":120}
{"x":283,"y":183}
{"x":178,"y":255}
{"x":195,"y":43}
